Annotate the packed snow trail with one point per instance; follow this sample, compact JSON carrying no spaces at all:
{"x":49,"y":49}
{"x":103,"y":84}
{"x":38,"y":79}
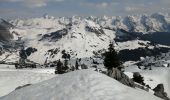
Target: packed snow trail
{"x":79,"y":85}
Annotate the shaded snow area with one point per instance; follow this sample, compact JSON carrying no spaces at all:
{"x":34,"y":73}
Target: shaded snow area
{"x":11,"y":78}
{"x":79,"y":85}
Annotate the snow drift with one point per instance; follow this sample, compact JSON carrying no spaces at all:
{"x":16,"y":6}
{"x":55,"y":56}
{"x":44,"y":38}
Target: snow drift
{"x":79,"y":85}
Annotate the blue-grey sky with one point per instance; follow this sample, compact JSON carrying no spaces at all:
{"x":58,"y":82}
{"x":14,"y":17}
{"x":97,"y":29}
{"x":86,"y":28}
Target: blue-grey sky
{"x":36,"y":8}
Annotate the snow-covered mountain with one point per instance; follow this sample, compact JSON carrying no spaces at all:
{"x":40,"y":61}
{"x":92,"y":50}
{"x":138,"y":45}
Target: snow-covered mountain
{"x":84,"y":37}
{"x":80,"y":39}
{"x":140,"y":41}
{"x":136,"y":23}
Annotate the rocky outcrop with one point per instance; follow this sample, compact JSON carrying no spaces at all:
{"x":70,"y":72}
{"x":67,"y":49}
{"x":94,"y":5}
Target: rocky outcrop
{"x":159,"y":92}
{"x":121,"y":77}
{"x":5,"y":35}
{"x":54,"y":36}
{"x":97,"y":31}
{"x":19,"y":87}
{"x":142,"y":87}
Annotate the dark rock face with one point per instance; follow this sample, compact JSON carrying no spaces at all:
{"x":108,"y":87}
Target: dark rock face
{"x":65,"y":55}
{"x":6,"y":24}
{"x":121,"y":77}
{"x":159,"y":92}
{"x":54,"y":36}
{"x":53,"y":52}
{"x":19,"y":87}
{"x":25,"y":53}
{"x":98,"y":32}
{"x":5,"y":34}
{"x":142,"y":87}
{"x":30,"y":50}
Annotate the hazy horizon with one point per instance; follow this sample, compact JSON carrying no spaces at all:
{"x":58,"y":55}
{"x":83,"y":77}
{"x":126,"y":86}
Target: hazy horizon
{"x":36,"y":8}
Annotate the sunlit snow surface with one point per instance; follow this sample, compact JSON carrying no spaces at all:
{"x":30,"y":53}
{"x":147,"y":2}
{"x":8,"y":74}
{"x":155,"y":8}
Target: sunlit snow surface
{"x":80,"y":85}
{"x":11,"y":78}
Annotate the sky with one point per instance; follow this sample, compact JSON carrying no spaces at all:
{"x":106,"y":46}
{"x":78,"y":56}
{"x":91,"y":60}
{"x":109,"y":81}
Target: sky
{"x":37,"y":8}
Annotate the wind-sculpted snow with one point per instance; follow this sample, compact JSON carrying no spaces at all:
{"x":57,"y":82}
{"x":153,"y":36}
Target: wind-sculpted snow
{"x":79,"y":85}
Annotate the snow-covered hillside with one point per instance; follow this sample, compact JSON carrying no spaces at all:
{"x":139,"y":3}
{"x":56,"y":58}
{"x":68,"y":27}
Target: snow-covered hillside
{"x":80,"y":85}
{"x":80,"y":39}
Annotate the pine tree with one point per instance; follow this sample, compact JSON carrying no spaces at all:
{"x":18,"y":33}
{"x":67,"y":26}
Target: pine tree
{"x":138,"y":78}
{"x":111,"y":59}
{"x":76,"y":64}
{"x":59,"y":68}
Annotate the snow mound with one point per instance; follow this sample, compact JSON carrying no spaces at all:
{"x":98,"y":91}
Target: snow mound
{"x":79,"y":85}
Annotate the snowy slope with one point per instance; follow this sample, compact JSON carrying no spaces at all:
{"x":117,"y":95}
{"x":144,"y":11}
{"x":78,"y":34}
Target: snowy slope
{"x":80,"y":85}
{"x":12,"y":78}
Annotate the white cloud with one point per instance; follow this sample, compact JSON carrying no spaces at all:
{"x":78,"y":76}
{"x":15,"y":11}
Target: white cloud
{"x":34,"y":3}
{"x":131,"y":8}
{"x":102,"y":5}
{"x":97,"y":5}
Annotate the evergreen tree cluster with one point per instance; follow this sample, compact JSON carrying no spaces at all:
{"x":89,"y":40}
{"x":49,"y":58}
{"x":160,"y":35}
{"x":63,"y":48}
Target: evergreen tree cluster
{"x":138,"y":78}
{"x":111,"y":59}
{"x":61,"y":68}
